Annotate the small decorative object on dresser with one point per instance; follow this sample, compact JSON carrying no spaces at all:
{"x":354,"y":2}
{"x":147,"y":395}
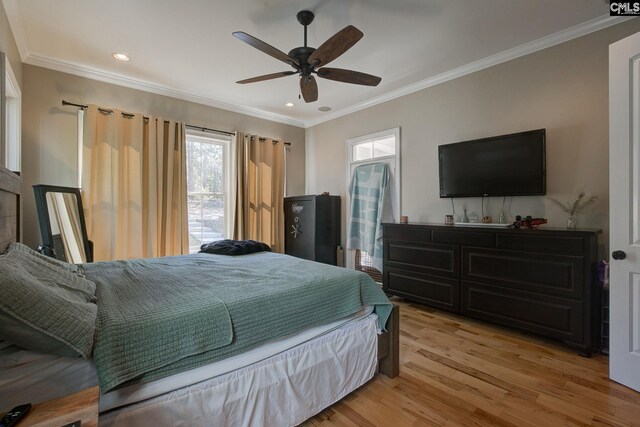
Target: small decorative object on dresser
{"x":579,"y":204}
{"x":528,"y":222}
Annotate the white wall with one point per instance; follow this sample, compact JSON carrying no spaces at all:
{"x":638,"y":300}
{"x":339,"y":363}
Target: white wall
{"x":49,"y":131}
{"x":563,"y":89}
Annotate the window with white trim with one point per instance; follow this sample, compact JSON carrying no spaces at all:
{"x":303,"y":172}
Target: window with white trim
{"x":379,"y":147}
{"x":12,"y":110}
{"x":208,"y":187}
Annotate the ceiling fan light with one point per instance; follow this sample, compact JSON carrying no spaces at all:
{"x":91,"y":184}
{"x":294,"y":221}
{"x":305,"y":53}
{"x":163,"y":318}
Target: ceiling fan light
{"x":289,"y":105}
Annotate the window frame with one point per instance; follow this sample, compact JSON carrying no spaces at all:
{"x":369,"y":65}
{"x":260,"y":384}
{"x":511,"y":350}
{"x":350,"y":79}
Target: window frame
{"x":11,"y":116}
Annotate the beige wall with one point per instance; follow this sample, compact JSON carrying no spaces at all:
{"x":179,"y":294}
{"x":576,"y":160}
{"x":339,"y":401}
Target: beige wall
{"x":49,"y":131}
{"x":8,"y":46}
{"x":563,"y":89}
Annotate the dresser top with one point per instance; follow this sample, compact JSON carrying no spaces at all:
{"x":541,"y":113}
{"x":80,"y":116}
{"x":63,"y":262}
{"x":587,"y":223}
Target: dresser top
{"x":543,"y":229}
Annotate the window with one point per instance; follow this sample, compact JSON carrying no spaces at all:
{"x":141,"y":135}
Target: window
{"x":208,"y":188}
{"x":12,"y":110}
{"x":374,"y":148}
{"x":380,"y":147}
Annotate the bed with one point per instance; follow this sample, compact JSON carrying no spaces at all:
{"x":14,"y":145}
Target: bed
{"x":293,"y":373}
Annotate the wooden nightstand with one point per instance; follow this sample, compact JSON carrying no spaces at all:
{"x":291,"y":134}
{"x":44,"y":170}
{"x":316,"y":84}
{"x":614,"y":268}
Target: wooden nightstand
{"x":81,"y":406}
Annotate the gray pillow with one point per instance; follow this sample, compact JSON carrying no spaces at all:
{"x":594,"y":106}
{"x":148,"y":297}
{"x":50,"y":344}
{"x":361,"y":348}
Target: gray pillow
{"x":50,"y":309}
{"x":21,"y":334}
{"x":53,"y":261}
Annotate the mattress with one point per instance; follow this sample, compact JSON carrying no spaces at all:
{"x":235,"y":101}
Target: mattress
{"x":26,"y":376}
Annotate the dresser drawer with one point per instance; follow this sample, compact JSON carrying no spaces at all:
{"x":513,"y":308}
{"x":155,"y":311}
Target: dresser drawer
{"x":550,"y":316}
{"x":530,"y":241}
{"x":431,"y":290}
{"x":442,"y":260}
{"x":556,"y":275}
{"x":406,"y":233}
{"x":467,"y":238}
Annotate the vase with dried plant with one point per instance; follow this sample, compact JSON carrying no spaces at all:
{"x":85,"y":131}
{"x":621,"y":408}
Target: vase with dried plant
{"x":577,"y":206}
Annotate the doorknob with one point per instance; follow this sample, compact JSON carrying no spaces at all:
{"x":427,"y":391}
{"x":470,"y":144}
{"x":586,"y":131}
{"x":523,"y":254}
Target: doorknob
{"x":618,"y":255}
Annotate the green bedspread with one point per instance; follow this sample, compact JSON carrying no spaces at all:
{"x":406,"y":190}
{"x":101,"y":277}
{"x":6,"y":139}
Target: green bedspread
{"x":162,"y":316}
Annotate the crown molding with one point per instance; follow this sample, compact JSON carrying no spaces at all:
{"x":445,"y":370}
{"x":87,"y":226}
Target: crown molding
{"x":17,"y":29}
{"x":146,"y":86}
{"x":507,"y":55}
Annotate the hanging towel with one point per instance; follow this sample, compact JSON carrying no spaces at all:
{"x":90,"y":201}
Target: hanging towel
{"x":369,"y":206}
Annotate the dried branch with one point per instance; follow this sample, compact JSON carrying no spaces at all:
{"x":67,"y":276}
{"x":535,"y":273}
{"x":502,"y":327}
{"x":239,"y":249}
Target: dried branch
{"x":577,"y":206}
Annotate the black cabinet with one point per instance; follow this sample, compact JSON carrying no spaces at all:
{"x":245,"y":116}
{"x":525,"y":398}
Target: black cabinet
{"x":312,"y":227}
{"x":541,"y":281}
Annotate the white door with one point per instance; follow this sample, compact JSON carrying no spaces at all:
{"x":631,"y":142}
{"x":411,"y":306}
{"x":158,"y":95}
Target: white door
{"x":624,"y":210}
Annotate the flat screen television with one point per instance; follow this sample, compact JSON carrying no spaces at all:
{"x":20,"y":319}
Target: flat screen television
{"x":506,"y":165}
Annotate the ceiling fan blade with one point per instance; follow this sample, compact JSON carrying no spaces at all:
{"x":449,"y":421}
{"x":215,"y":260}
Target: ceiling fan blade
{"x":338,"y":44}
{"x":309,"y":88}
{"x":349,"y":76}
{"x":266,"y":48}
{"x":267,"y":77}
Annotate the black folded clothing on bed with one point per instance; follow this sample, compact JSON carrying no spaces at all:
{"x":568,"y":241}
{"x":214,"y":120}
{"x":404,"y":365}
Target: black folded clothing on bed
{"x":234,"y":247}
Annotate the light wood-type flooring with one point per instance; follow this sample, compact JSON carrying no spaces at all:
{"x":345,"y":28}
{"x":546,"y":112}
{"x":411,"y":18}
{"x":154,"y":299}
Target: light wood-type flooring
{"x":455,"y":371}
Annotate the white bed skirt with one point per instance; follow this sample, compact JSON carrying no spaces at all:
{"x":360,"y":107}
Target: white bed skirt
{"x":283,"y":390}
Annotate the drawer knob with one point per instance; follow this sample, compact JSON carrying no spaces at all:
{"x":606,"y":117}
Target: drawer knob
{"x":618,"y":255}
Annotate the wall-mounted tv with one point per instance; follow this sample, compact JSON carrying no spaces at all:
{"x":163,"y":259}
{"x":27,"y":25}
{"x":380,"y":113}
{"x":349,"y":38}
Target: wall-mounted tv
{"x":506,"y":165}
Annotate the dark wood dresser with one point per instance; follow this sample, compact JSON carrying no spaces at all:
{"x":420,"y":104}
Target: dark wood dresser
{"x":541,"y":281}
{"x":312,"y":227}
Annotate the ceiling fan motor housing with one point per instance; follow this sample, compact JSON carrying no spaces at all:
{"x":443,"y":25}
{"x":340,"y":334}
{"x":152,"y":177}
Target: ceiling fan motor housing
{"x":301,"y":54}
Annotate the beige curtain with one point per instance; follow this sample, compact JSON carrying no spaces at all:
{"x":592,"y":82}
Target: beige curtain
{"x":260,"y":190}
{"x":134,"y":185}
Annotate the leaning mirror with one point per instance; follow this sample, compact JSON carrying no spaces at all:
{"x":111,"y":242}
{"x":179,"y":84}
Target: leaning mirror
{"x":62,"y":226}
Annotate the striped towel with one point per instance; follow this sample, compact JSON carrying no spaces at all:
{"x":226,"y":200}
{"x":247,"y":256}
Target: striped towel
{"x":369,"y":204}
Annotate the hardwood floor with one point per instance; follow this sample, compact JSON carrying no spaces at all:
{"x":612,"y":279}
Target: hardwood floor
{"x":456,"y":371}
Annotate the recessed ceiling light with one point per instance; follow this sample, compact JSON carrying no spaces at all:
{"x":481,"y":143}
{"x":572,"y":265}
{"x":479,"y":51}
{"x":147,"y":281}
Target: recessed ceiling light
{"x":121,"y":57}
{"x":289,"y":104}
{"x":324,"y":109}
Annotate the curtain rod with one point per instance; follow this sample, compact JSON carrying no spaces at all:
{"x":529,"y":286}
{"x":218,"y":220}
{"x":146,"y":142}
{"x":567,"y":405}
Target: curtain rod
{"x":194,"y":127}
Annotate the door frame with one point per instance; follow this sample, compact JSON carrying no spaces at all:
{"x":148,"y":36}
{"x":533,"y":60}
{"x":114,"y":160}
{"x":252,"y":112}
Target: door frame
{"x":396,"y":204}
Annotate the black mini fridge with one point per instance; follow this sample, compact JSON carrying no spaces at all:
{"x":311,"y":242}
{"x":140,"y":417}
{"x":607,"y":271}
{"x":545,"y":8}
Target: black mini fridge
{"x":312,"y":227}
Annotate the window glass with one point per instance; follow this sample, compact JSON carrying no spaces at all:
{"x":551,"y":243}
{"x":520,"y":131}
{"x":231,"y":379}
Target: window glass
{"x":384,"y":147}
{"x":206,"y":196}
{"x":363,"y":151}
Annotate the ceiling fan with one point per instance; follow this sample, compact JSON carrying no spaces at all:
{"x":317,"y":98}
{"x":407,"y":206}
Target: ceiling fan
{"x":308,"y":61}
